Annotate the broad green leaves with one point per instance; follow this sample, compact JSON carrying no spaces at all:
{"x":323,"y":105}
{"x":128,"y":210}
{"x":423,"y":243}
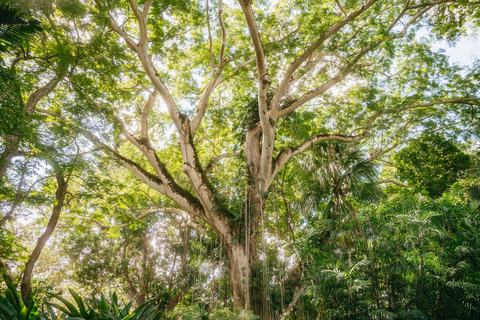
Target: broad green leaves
{"x":431,"y":163}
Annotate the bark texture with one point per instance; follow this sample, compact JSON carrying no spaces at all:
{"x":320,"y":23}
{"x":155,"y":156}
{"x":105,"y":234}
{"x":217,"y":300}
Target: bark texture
{"x":26,"y":283}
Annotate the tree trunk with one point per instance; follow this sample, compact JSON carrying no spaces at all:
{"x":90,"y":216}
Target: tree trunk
{"x":242,"y":254}
{"x":239,"y":273}
{"x":42,"y":240}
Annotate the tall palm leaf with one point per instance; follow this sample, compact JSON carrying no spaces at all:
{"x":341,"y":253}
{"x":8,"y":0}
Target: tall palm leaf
{"x":15,"y":28}
{"x":338,"y":170}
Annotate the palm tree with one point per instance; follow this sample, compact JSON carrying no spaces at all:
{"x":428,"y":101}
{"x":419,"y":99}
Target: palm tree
{"x":336,"y":171}
{"x":15,"y":28}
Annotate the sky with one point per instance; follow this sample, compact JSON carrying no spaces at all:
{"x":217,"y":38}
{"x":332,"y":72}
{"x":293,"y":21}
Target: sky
{"x":463,"y":52}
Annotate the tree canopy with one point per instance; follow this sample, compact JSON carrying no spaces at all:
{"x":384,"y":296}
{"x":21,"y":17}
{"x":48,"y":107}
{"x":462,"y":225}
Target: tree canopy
{"x":431,"y":163}
{"x":247,"y":145}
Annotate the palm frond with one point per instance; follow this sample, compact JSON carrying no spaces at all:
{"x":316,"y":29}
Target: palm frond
{"x":15,"y":28}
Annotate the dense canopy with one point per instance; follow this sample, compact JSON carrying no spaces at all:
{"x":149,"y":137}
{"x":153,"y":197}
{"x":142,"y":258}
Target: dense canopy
{"x":279,"y":159}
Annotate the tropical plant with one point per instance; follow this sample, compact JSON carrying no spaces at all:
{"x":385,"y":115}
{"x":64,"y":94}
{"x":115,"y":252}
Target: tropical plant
{"x":13,"y":308}
{"x":15,"y":29}
{"x":101,"y":309}
{"x":413,"y":257}
{"x":336,"y":173}
{"x":161,"y":88}
{"x":195,"y":312}
{"x":431,"y":163}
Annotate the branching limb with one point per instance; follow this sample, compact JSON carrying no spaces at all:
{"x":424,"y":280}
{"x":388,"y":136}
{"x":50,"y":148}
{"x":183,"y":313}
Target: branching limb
{"x":266,"y":122}
{"x":348,"y":69}
{"x":418,"y":105}
{"x":11,"y":147}
{"x":170,"y":189}
{"x":287,"y":153}
{"x":185,"y":218}
{"x":210,"y":40}
{"x":60,"y":194}
{"x":427,"y":4}
{"x":212,"y":162}
{"x":216,"y":70}
{"x":307,"y":53}
{"x":377,"y":153}
{"x":341,"y":8}
{"x":145,"y":112}
{"x":402,"y":13}
{"x":224,"y":33}
{"x":146,"y":61}
{"x":202,"y":104}
{"x":296,"y":296}
{"x":323,"y":88}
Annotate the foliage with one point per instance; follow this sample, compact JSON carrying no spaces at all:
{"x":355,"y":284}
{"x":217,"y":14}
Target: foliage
{"x":13,"y":118}
{"x":474,"y":178}
{"x":338,"y":173}
{"x":195,"y":312}
{"x":13,"y":308}
{"x":15,"y":29}
{"x":431,"y":163}
{"x":412,"y":256}
{"x":285,"y":157}
{"x":10,"y":249}
{"x":102,"y":309}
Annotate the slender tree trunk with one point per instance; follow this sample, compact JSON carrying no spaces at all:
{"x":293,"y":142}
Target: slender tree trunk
{"x":18,"y":197}
{"x":143,"y":294}
{"x":42,"y":240}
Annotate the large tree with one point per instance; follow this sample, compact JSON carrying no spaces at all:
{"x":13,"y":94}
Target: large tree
{"x":171,"y":89}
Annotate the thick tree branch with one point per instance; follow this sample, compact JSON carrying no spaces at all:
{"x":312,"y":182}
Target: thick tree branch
{"x":307,"y":53}
{"x":402,"y":13}
{"x":216,"y":78}
{"x":202,"y":104}
{"x":287,"y":153}
{"x":224,"y":33}
{"x":142,"y":52}
{"x":210,"y":40}
{"x":267,"y":123}
{"x":11,"y":147}
{"x":191,"y":165}
{"x":170,"y":189}
{"x":212,"y":162}
{"x":323,"y":88}
{"x":348,"y":69}
{"x":296,"y":296}
{"x":42,"y":92}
